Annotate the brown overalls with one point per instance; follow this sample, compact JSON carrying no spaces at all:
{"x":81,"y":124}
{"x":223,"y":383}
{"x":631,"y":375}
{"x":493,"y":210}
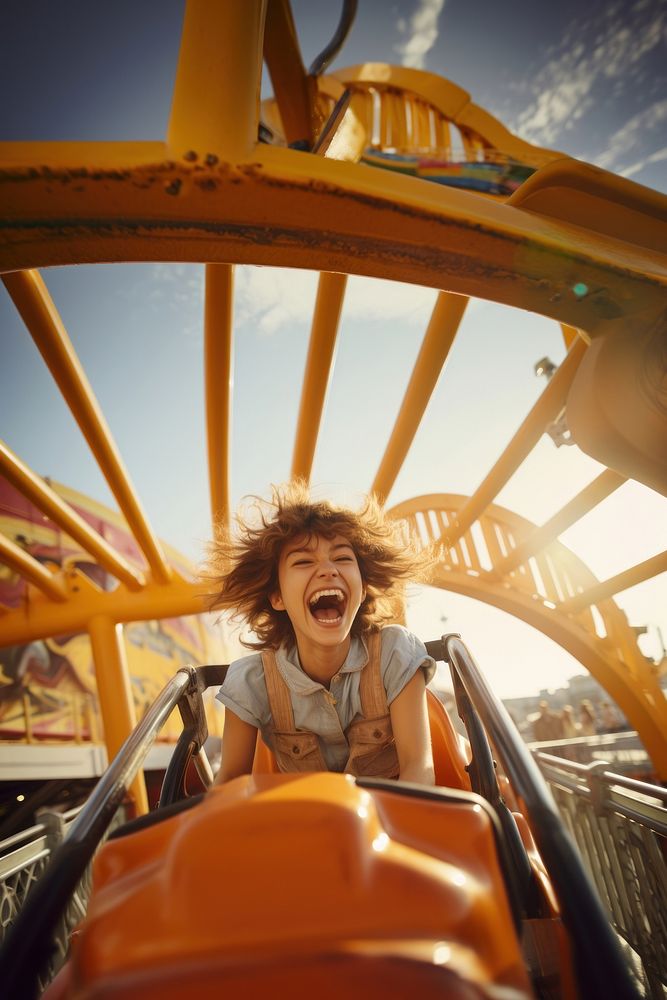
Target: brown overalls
{"x":371,"y":740}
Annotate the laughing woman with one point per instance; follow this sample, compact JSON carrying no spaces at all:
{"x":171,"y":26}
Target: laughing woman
{"x":329,"y":688}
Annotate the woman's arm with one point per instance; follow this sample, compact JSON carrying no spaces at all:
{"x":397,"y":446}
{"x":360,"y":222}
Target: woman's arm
{"x":409,"y":721}
{"x":238,"y":748}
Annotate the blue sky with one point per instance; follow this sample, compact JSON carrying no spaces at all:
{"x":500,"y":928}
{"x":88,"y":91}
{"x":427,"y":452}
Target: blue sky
{"x":589,"y":79}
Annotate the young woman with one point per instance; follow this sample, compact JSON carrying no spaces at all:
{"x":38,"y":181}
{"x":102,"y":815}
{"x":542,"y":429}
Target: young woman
{"x":329,"y":689}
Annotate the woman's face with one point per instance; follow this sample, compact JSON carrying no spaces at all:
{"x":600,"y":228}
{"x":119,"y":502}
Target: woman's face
{"x":320,"y":588}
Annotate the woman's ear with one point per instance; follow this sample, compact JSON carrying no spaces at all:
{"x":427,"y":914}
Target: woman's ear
{"x":276,"y":601}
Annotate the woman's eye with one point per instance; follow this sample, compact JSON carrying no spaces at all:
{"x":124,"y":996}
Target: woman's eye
{"x":302,"y":562}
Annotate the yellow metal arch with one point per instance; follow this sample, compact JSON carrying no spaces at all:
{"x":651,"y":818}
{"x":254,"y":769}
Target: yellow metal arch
{"x":414,"y":110}
{"x":523,"y":570}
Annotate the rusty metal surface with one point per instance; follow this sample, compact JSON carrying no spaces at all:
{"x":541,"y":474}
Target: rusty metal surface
{"x":303,"y":211}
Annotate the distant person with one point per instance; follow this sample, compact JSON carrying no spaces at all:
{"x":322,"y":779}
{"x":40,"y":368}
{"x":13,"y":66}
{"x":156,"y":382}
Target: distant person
{"x":328,"y":688}
{"x":571,"y":730}
{"x":569,"y":723}
{"x":587,"y":720}
{"x":548,"y":726}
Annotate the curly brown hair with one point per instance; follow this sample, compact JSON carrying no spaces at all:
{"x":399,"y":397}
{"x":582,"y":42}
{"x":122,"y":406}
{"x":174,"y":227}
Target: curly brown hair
{"x":243,"y":563}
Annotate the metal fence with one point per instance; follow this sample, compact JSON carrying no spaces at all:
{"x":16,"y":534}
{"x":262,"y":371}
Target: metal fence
{"x":620,"y":827}
{"x":623,"y":753}
{"x":23,"y":859}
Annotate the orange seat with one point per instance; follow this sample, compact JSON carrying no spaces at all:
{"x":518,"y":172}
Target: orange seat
{"x":449,"y":749}
{"x":264,"y":762}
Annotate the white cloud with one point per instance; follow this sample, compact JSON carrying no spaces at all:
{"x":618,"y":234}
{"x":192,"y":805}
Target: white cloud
{"x":635,"y":134}
{"x":565,"y":86}
{"x":374,"y":299}
{"x":184,"y":283}
{"x":275,"y":298}
{"x":177,"y":288}
{"x":422,"y":32}
{"x":634,"y":168}
{"x":271,"y":298}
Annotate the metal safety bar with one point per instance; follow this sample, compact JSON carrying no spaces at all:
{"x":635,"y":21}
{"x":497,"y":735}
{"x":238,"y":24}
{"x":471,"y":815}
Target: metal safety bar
{"x":599,"y":963}
{"x":28,"y":945}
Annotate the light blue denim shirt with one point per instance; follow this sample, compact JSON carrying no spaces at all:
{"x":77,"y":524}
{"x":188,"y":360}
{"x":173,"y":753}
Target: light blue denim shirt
{"x":325,"y":713}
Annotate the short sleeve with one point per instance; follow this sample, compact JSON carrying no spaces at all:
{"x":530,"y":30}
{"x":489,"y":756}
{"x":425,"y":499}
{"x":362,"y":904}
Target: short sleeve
{"x":402,"y":656}
{"x":244,"y":691}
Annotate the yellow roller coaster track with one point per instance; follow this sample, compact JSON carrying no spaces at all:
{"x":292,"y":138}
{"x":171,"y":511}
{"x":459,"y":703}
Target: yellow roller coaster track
{"x":573,"y":243}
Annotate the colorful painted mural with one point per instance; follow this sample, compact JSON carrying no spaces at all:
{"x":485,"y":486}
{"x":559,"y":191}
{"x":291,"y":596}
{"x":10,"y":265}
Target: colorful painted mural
{"x":500,"y":177}
{"x":48,"y":689}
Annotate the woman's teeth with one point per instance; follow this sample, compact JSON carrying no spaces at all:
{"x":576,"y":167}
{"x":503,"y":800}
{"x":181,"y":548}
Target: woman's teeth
{"x":332,"y":601}
{"x":314,"y":598}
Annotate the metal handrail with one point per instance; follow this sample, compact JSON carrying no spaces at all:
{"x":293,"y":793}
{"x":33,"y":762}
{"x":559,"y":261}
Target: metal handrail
{"x":28,"y":944}
{"x":620,"y":826}
{"x":565,"y":772}
{"x":600,"y":966}
{"x":21,"y":836}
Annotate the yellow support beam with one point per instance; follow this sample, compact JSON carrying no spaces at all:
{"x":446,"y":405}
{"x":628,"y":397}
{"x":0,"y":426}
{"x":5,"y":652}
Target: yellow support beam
{"x":570,"y":335}
{"x":48,"y":501}
{"x":289,"y":209}
{"x":350,"y":138}
{"x":615,"y":584}
{"x":40,"y":316}
{"x":106,"y":156}
{"x":23,"y":564}
{"x":215,"y":109}
{"x":440,"y":333}
{"x":581,"y":504}
{"x":294,"y":91}
{"x":219,"y":379}
{"x":115,"y":695}
{"x":319,"y":364}
{"x":546,"y":409}
{"x":573,"y":191}
{"x":43,"y":618}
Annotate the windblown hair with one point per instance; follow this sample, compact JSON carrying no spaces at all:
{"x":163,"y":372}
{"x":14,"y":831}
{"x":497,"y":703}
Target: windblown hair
{"x":244,"y":563}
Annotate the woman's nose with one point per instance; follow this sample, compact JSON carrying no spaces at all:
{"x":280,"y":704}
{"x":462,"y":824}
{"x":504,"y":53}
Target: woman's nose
{"x":327,"y":568}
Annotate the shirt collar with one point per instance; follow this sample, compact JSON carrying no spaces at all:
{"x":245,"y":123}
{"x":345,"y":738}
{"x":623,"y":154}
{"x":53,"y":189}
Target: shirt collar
{"x":289,"y":665}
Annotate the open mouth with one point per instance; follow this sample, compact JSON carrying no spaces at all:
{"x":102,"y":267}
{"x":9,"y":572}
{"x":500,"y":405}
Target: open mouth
{"x":327,"y":606}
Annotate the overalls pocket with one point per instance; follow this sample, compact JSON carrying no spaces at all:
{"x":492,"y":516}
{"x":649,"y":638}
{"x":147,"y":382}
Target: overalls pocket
{"x":298,"y":752}
{"x":372,"y":749}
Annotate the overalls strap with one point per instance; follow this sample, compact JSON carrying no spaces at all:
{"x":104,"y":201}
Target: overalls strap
{"x":294,"y":750}
{"x":280,"y":701}
{"x":371,"y":686}
{"x":370,"y":737}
